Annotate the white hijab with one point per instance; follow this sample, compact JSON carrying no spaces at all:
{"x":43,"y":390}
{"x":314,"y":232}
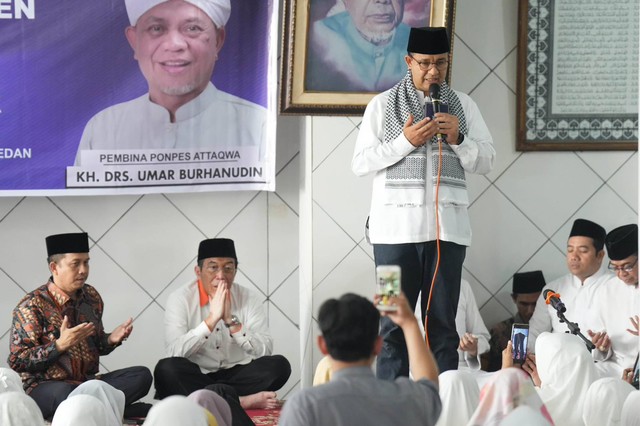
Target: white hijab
{"x":566,"y":371}
{"x":81,"y":410}
{"x":525,"y":416}
{"x":112,"y":398}
{"x":459,"y":394}
{"x":10,"y":381}
{"x":603,"y":404}
{"x":18,"y":409}
{"x":507,"y":390}
{"x":631,"y":410}
{"x":175,"y":411}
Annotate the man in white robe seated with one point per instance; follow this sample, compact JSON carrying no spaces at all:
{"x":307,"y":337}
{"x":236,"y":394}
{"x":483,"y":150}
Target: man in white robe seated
{"x":578,"y":289}
{"x":618,"y":302}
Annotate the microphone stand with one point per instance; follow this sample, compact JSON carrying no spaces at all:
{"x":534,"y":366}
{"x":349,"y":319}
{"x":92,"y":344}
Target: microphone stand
{"x":574,"y":328}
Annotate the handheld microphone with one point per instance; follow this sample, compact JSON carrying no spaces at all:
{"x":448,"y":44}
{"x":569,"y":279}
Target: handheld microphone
{"x":434,"y":94}
{"x":552,"y":298}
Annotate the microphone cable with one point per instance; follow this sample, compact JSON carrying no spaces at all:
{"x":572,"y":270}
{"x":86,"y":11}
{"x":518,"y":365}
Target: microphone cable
{"x":437,"y":217}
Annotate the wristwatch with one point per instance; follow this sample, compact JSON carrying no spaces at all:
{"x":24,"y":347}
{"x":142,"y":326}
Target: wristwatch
{"x":234,"y":321}
{"x":460,"y":138}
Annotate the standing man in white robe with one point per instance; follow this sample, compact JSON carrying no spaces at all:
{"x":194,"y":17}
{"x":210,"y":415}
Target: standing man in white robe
{"x":578,"y":289}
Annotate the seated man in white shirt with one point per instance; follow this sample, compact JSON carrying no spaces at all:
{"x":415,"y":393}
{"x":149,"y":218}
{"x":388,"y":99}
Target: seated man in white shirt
{"x":216,"y":335}
{"x":350,"y":337}
{"x":618,"y":302}
{"x":578,"y":289}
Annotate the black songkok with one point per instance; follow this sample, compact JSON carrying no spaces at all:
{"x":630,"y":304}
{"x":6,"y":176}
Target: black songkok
{"x":622,"y":242}
{"x":528,"y":282}
{"x":217,"y":247}
{"x":428,"y":40}
{"x":586,"y":228}
{"x":67,"y":243}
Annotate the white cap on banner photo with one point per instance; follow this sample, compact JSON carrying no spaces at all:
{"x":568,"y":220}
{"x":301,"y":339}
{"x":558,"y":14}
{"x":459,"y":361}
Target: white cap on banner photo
{"x":217,"y":10}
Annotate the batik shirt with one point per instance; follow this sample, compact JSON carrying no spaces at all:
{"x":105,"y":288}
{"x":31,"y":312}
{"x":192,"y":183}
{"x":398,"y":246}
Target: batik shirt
{"x":36,"y":327}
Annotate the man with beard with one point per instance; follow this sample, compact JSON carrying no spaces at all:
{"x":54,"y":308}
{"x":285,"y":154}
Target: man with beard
{"x":359,"y":49}
{"x":176,"y":44}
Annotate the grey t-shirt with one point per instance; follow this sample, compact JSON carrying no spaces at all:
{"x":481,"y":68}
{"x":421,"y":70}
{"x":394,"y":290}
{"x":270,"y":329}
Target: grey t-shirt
{"x":355,"y":397}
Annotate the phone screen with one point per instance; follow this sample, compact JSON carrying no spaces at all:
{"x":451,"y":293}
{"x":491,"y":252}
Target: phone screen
{"x":519,"y":340}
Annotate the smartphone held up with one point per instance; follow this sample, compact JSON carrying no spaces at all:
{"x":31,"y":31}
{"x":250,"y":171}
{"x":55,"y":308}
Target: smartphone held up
{"x":387,"y":286}
{"x":519,"y":340}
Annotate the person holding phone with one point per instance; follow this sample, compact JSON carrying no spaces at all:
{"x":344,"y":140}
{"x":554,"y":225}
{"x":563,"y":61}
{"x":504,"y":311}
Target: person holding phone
{"x":349,"y":328}
{"x":525,"y":291}
{"x":399,"y":145}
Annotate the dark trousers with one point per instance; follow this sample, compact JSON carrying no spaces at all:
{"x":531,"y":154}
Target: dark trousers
{"x":134,"y":382}
{"x":179,"y":376}
{"x":417,"y":262}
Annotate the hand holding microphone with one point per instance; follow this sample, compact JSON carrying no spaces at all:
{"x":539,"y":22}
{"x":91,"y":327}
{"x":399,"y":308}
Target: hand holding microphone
{"x":447,"y":124}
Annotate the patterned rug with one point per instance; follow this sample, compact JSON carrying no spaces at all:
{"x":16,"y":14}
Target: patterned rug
{"x":265,"y":417}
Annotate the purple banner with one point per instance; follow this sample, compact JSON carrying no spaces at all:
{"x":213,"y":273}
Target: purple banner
{"x":62,"y":62}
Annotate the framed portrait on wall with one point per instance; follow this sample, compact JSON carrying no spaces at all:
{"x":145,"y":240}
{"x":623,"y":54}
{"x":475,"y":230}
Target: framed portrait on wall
{"x":337,"y":54}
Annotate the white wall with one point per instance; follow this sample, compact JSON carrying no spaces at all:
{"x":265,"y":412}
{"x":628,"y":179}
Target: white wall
{"x":145,"y":246}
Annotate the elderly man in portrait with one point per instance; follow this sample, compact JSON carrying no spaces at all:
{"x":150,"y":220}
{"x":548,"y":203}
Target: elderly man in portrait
{"x":358,"y":49}
{"x":176,"y":44}
{"x":57,"y":336}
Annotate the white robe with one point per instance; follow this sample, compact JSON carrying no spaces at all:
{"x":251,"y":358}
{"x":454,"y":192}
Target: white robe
{"x":579,"y":299}
{"x":616,"y":303}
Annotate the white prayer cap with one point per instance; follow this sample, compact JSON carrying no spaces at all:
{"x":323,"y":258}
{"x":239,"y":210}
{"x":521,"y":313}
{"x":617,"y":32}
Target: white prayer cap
{"x":217,"y":10}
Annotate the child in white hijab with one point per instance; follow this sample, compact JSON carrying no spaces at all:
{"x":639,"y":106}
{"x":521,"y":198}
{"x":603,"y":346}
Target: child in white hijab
{"x":507,"y":390}
{"x":604,"y":400}
{"x":176,"y":410}
{"x":10,"y":381}
{"x":459,"y":394}
{"x":81,"y":410}
{"x":18,"y":409}
{"x":112,"y":398}
{"x":630,"y":411}
{"x":566,"y":371}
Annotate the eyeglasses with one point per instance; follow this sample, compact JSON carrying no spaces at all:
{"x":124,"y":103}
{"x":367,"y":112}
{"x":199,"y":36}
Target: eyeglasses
{"x":626,"y":268}
{"x":227,"y":269}
{"x":440,"y":64}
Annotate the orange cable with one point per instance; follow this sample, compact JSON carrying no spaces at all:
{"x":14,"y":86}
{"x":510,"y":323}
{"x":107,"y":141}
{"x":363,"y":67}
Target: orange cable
{"x":435,"y":272}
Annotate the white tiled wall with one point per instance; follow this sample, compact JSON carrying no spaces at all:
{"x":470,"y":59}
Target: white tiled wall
{"x":145,"y":246}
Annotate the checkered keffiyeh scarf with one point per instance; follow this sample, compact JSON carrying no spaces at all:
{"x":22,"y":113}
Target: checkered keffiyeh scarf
{"x":405,"y":180}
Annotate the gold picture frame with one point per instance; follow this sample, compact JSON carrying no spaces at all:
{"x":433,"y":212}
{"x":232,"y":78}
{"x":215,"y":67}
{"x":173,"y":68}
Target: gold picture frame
{"x":296,"y":97}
